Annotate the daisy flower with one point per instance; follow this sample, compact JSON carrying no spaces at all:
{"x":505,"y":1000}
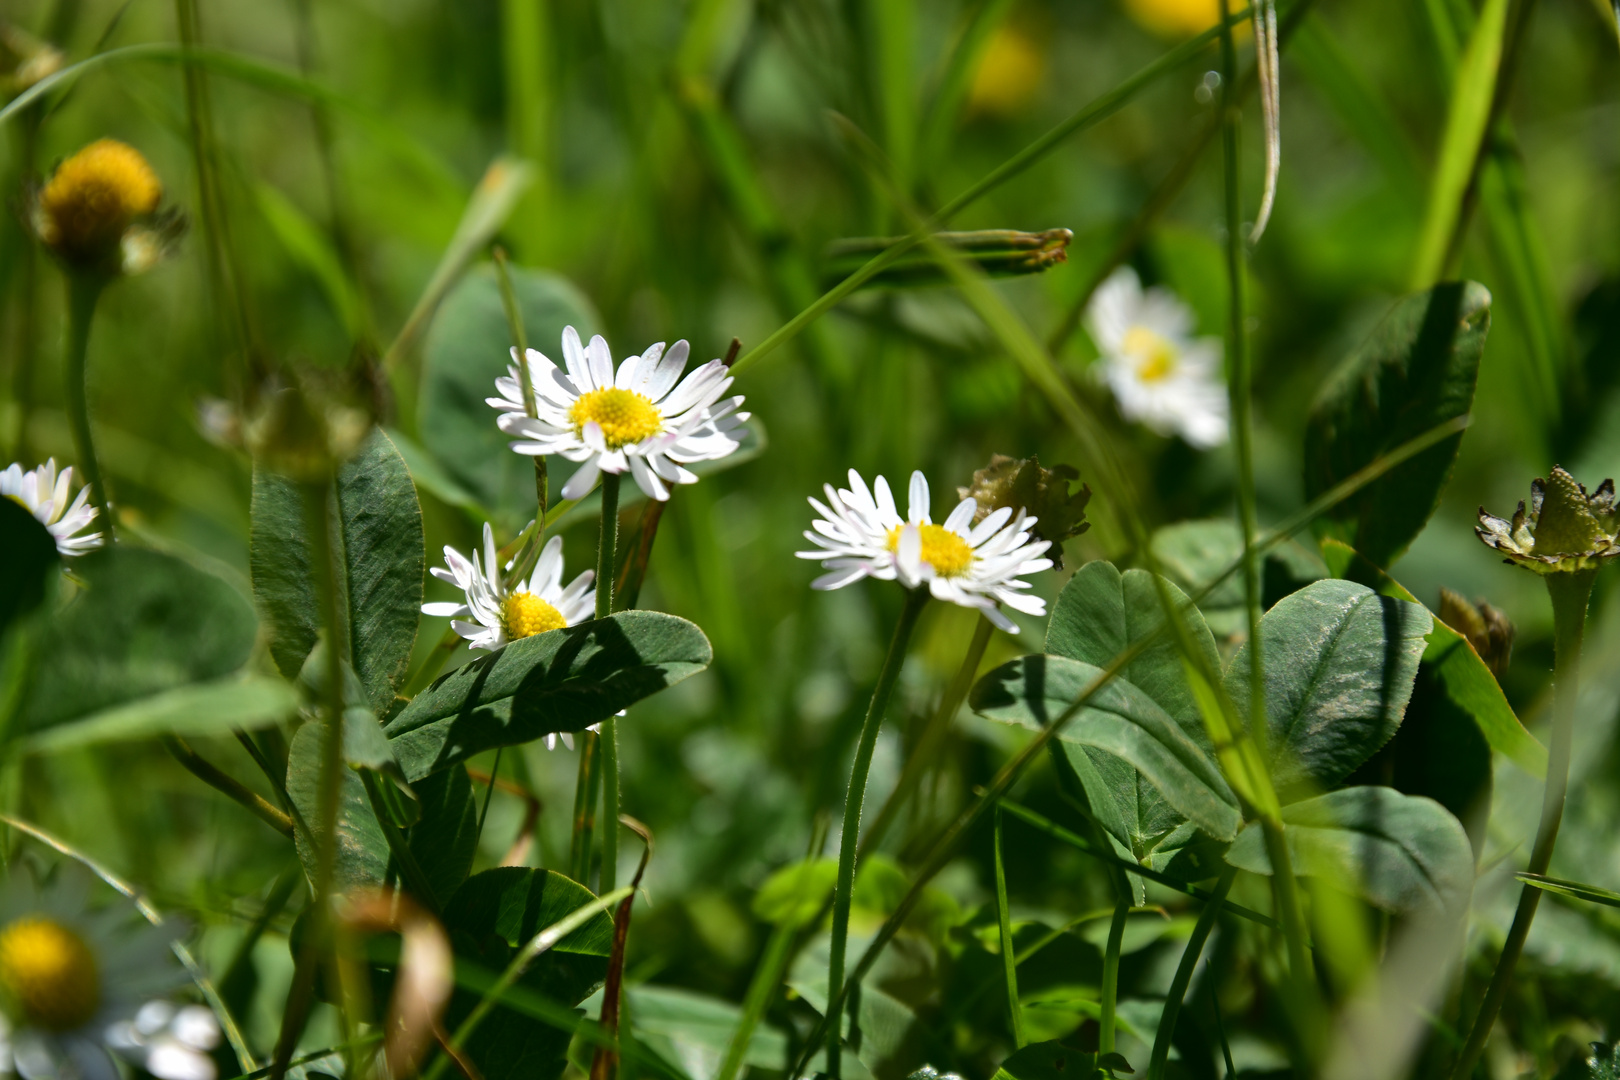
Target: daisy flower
{"x":1159,"y":373}
{"x":44,"y":493}
{"x":76,"y":986}
{"x":637,"y":419}
{"x":860,"y":533}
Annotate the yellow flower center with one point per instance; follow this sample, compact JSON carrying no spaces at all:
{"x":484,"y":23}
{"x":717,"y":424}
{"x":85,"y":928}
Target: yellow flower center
{"x":1155,"y":356}
{"x":626,"y":416}
{"x":942,"y":549}
{"x":524,"y":614}
{"x":48,"y":974}
{"x":1175,"y":18}
{"x":93,"y":196}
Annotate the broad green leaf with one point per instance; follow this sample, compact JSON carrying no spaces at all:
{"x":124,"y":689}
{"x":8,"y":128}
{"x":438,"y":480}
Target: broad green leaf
{"x":1416,"y":371}
{"x":214,"y":708}
{"x":1468,"y":683}
{"x":362,"y":850}
{"x":379,"y":526}
{"x":1194,"y":553}
{"x":1339,"y":664}
{"x":1054,"y":1061}
{"x":491,"y":917}
{"x":692,"y":1031}
{"x":562,"y":680}
{"x":467,"y":348}
{"x":28,"y":557}
{"x":1466,"y":120}
{"x":1034,"y":691}
{"x":446,"y":837}
{"x":143,"y":623}
{"x":1400,"y":852}
{"x":884,"y":1030}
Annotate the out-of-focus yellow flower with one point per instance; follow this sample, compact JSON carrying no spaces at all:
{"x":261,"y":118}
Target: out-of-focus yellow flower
{"x":1175,"y":18}
{"x":93,"y":198}
{"x":1009,"y":74}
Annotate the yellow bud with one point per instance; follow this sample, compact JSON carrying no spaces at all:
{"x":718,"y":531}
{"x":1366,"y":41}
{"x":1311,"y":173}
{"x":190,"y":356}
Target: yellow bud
{"x":1175,"y":18}
{"x":92,"y":199}
{"x":1008,"y":76}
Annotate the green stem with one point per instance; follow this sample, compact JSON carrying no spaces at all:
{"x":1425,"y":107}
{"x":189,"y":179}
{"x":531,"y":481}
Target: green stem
{"x":1569,"y":594}
{"x":610,"y":805}
{"x":849,"y":838}
{"x":767,"y":977}
{"x":1184,"y":972}
{"x":604,"y":548}
{"x":520,"y":340}
{"x":1110,"y":974}
{"x":585,"y":791}
{"x":1009,"y":961}
{"x":928,"y":745}
{"x":83,"y":292}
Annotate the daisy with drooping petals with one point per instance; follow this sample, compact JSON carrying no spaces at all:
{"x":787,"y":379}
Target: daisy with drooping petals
{"x":500,"y":614}
{"x":860,"y":533}
{"x":1159,"y":373}
{"x":636,"y":419}
{"x":44,"y":493}
{"x":76,"y":986}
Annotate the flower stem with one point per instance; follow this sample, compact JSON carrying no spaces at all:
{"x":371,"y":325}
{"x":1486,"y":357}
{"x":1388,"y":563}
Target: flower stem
{"x":585,"y":791}
{"x":609,"y":778}
{"x":610,"y":806}
{"x":605,"y":546}
{"x":1183,"y":977}
{"x":1110,"y":973}
{"x":83,"y":292}
{"x":1009,"y":961}
{"x":1569,"y":594}
{"x":849,"y":838}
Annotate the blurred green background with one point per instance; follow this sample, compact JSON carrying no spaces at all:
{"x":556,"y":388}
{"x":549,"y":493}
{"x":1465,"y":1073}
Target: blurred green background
{"x":685,"y":179}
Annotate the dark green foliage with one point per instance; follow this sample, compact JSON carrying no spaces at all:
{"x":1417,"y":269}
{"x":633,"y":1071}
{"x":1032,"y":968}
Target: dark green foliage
{"x":1054,"y":1061}
{"x":466,"y":350}
{"x":1194,"y":553}
{"x":1400,"y":852}
{"x":563,"y":680}
{"x":446,"y":836}
{"x":143,"y":622}
{"x":28,"y":556}
{"x":379,"y":531}
{"x":1417,"y":370}
{"x":491,"y":917}
{"x":1339,"y":665}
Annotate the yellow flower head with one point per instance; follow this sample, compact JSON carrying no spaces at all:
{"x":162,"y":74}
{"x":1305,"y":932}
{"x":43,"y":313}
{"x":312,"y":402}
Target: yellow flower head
{"x":92,"y":199}
{"x":48,"y":973}
{"x":1175,"y":18}
{"x":1009,"y":74}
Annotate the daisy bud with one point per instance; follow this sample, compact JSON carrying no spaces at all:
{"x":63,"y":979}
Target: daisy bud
{"x":1487,"y":628}
{"x":1566,"y":529}
{"x":1022,"y":484}
{"x":99,"y":211}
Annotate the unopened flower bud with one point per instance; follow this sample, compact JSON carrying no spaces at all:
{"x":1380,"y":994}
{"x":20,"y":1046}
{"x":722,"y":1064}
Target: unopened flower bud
{"x":99,"y":211}
{"x":1487,"y":628}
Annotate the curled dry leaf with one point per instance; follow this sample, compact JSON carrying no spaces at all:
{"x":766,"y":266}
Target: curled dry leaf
{"x":426,"y":972}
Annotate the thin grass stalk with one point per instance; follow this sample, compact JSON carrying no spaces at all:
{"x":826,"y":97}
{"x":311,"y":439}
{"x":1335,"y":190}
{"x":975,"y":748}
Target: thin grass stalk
{"x":608,"y":875}
{"x":489,"y":796}
{"x":952,"y":834}
{"x":922,"y":756}
{"x":84,"y":289}
{"x":585,"y":792}
{"x":221,"y":781}
{"x":1570,"y":594}
{"x":761,"y":990}
{"x":1184,"y":972}
{"x":520,"y":341}
{"x":1009,"y":961}
{"x":849,"y":837}
{"x":1109,"y":1003}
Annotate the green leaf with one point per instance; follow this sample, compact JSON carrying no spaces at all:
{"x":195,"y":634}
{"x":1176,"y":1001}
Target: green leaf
{"x":362,"y":850}
{"x":685,"y":1027}
{"x":1194,"y":553}
{"x":143,"y":623}
{"x":467,"y":348}
{"x":796,"y":894}
{"x":493,"y":915}
{"x":1120,"y":718}
{"x":379,"y":525}
{"x":562,"y":680}
{"x":310,"y":248}
{"x":446,"y":837}
{"x":215,"y":708}
{"x":1339,"y":665}
{"x":28,"y":555}
{"x":1576,"y":890}
{"x":1399,"y":852}
{"x":1468,"y":684}
{"x":1054,"y":1061}
{"x":1416,"y":371}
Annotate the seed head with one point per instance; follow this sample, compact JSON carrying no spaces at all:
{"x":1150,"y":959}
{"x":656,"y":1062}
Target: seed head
{"x":99,"y":211}
{"x":1042,"y":493}
{"x":1566,"y":529}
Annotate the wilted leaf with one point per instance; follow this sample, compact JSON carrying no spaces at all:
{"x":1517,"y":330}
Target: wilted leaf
{"x":1417,"y":370}
{"x":1400,"y":852}
{"x":562,"y":680}
{"x":1339,"y":664}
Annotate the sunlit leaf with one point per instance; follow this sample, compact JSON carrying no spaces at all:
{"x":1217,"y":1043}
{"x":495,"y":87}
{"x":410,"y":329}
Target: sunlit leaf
{"x":1194,"y":553}
{"x":1339,"y":664}
{"x":562,"y":680}
{"x":1400,"y":852}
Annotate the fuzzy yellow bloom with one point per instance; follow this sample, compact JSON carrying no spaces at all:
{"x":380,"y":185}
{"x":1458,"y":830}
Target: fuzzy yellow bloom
{"x":48,"y":973}
{"x":1008,"y":75}
{"x":1175,"y":18}
{"x":93,"y":198}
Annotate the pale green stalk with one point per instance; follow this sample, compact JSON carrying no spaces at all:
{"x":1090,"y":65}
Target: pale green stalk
{"x":849,"y":837}
{"x":84,"y":289}
{"x":1184,"y":972}
{"x":1110,"y":974}
{"x":1009,"y":961}
{"x":1570,"y":594}
{"x":610,"y":732}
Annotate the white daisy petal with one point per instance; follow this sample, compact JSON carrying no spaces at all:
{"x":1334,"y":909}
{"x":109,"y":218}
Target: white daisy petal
{"x":44,"y":492}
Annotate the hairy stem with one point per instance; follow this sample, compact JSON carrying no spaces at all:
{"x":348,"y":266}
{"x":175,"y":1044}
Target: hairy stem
{"x":1569,"y":594}
{"x":83,"y":292}
{"x":217,"y":778}
{"x":1183,"y":977}
{"x":849,"y":838}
